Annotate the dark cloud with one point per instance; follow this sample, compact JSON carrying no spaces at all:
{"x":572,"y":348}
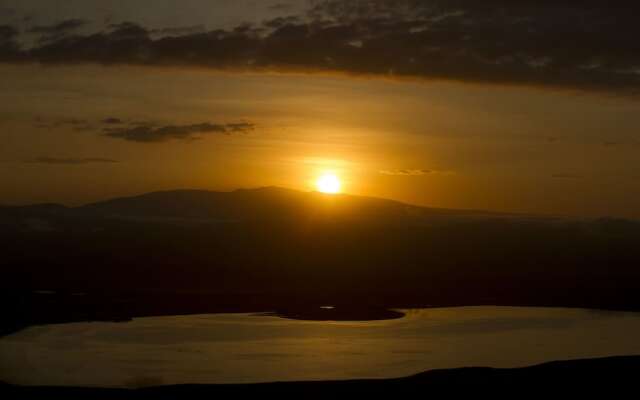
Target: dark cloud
{"x":281,"y":21}
{"x":588,"y":45}
{"x":239,"y":127}
{"x":70,"y":161}
{"x":127,"y":30}
{"x":9,"y":47}
{"x":7,"y":33}
{"x":50,"y":33}
{"x":583,"y":45}
{"x":152,"y":134}
{"x":112,"y":121}
{"x":145,"y":132}
{"x":411,"y":172}
{"x":64,"y":26}
{"x":179,"y":31}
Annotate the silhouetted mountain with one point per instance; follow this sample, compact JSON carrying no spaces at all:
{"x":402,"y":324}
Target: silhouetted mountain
{"x":266,"y":249}
{"x":269,"y":203}
{"x":263,"y":203}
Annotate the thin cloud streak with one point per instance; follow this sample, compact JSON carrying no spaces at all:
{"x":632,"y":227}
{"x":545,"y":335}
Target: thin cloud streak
{"x":70,"y":160}
{"x":412,"y":172}
{"x":156,"y":134}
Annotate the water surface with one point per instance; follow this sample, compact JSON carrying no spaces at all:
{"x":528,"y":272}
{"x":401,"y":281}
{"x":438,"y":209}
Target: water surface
{"x":237,"y":348}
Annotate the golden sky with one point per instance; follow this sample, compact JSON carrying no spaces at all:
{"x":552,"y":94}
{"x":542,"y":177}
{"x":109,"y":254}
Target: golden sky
{"x":424,"y":102}
{"x":440,"y":144}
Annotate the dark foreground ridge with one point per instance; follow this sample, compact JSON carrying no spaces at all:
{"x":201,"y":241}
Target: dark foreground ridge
{"x":613,"y":375}
{"x":264,"y":250}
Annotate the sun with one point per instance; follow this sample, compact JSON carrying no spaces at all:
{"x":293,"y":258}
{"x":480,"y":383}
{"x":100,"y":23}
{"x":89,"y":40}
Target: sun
{"x":328,"y":183}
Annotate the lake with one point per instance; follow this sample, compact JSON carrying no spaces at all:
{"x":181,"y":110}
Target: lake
{"x":241,"y":348}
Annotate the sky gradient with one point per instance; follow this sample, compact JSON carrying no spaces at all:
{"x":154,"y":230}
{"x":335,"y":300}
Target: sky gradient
{"x":502,"y":108}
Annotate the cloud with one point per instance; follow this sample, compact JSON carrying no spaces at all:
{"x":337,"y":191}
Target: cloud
{"x":127,"y":30}
{"x":9,"y":47}
{"x":112,"y":121}
{"x":50,"y":33}
{"x":588,"y":45}
{"x":148,"y":133}
{"x":411,"y":172}
{"x":281,"y":21}
{"x":64,"y":26}
{"x":239,"y":127}
{"x":145,"y":132}
{"x":179,"y":31}
{"x":7,"y":33}
{"x":70,"y":161}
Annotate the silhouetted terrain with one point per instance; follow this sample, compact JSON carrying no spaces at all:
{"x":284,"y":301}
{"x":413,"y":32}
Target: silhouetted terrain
{"x":614,"y":375}
{"x":265,"y":249}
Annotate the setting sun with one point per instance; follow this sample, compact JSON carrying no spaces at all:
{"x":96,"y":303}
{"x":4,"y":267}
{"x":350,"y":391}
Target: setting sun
{"x":328,"y":183}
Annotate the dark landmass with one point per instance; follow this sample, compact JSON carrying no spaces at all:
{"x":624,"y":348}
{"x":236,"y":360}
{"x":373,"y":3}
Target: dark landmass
{"x":264,"y":250}
{"x":613,"y":375}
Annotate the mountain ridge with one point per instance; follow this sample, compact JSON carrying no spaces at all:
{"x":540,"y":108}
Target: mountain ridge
{"x":194,"y":203}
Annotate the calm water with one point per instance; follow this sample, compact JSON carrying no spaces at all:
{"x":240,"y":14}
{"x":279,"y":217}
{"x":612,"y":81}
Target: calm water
{"x":229,"y":348}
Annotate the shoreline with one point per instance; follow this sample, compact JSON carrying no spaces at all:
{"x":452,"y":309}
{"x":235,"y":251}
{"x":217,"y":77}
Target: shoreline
{"x":21,"y":312}
{"x":612,"y":373}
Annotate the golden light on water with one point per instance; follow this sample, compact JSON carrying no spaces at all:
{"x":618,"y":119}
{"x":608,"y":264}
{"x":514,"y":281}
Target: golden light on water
{"x":328,"y":183}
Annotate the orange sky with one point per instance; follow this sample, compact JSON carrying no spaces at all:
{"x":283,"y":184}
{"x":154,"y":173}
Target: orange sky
{"x":439,"y":144}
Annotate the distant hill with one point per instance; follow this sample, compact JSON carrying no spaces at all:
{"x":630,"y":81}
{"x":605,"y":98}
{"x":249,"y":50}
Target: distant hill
{"x":261,"y":246}
{"x":267,"y":203}
{"x":263,"y":203}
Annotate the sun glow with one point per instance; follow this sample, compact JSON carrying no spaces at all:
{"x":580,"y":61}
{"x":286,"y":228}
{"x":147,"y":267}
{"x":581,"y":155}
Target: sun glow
{"x":328,"y":183}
